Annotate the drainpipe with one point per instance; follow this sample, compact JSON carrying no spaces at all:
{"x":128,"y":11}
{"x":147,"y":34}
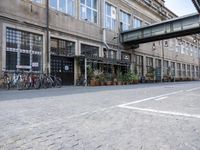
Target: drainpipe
{"x":104,"y":38}
{"x":47,"y":37}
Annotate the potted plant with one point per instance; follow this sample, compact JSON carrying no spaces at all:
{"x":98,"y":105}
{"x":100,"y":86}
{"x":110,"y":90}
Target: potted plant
{"x":135,"y":79}
{"x":150,"y":75}
{"x":102,"y":79}
{"x":108,"y":79}
{"x":119,"y":78}
{"x":91,"y":77}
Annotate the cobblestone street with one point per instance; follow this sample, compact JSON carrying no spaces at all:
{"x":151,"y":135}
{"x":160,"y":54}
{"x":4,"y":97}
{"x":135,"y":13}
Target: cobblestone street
{"x":134,"y":117}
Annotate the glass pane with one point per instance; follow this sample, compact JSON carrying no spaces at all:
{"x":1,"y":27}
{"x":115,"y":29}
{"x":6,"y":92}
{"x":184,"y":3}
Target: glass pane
{"x":89,"y":14}
{"x":82,"y":1}
{"x":89,"y":3}
{"x":24,"y":59}
{"x":83,"y":12}
{"x":36,"y":62}
{"x":94,"y":4}
{"x":108,"y":23}
{"x":62,"y":5}
{"x":53,"y":4}
{"x":11,"y":60}
{"x":108,"y":10}
{"x":71,"y":7}
{"x":94,"y":17}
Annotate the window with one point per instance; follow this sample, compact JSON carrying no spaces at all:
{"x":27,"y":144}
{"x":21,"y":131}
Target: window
{"x":137,"y":23}
{"x":184,"y":70}
{"x":188,"y":70}
{"x":197,"y":71}
{"x":165,"y":67}
{"x":110,"y":17}
{"x":149,"y":64}
{"x":22,"y":49}
{"x":193,"y":71}
{"x":173,"y":69}
{"x":125,"y":20}
{"x":88,"y":10}
{"x":89,"y":51}
{"x":62,"y":47}
{"x":179,"y":69}
{"x":139,"y":65}
{"x":65,"y":6}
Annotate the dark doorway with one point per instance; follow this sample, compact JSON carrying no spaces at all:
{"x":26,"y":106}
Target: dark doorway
{"x":63,"y":67}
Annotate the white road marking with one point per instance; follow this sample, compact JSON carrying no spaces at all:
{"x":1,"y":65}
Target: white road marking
{"x":194,"y":89}
{"x":163,"y":112}
{"x":158,"y":99}
{"x":151,"y":98}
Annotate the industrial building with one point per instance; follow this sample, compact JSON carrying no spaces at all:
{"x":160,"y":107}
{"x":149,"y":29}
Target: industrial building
{"x":60,"y":36}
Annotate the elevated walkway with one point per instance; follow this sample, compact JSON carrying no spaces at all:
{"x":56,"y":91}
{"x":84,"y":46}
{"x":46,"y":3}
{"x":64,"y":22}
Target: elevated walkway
{"x":197,"y":4}
{"x":186,"y":25}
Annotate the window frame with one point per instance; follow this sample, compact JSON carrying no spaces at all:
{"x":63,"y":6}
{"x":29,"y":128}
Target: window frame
{"x":92,"y":12}
{"x":113,"y":28}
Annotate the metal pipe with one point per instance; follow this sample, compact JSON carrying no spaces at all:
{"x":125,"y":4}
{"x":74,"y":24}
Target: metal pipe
{"x":47,"y":37}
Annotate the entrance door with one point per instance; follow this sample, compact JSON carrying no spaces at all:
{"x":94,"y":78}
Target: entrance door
{"x":63,"y":67}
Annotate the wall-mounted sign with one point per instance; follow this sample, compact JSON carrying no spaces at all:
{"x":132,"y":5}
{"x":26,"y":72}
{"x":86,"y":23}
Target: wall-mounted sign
{"x":35,"y":64}
{"x":66,"y":68}
{"x":23,"y":67}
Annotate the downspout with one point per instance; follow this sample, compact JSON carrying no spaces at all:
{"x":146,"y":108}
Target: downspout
{"x":104,"y":38}
{"x":47,"y":37}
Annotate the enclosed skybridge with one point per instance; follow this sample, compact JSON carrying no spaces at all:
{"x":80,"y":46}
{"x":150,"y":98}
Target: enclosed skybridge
{"x":186,"y":25}
{"x":197,"y":4}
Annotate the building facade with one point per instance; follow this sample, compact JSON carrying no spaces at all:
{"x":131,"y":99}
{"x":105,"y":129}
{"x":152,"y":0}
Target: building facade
{"x":58,"y":36}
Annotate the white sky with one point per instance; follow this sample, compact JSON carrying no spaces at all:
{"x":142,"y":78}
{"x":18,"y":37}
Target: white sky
{"x":180,"y":7}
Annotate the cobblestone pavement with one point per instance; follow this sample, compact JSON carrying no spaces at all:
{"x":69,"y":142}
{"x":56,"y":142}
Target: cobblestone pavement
{"x":158,"y":117}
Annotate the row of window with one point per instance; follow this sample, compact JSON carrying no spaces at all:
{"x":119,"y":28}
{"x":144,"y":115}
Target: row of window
{"x":183,"y":70}
{"x":89,"y":12}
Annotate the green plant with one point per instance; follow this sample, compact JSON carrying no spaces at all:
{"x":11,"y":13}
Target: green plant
{"x":119,"y":76}
{"x":90,"y":72}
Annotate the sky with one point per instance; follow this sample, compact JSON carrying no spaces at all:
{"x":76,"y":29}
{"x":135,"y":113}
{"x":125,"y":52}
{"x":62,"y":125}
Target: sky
{"x":180,"y":7}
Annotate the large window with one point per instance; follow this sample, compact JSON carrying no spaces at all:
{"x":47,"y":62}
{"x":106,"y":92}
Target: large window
{"x":173,"y":69}
{"x":88,"y":10}
{"x":184,"y":70}
{"x":62,"y":47}
{"x":110,"y":17}
{"x":89,"y":51}
{"x":137,"y":23}
{"x":165,"y":67}
{"x":193,"y":71}
{"x":149,"y":64}
{"x":179,"y":69}
{"x":188,"y":70}
{"x":23,"y":50}
{"x":125,"y":20}
{"x":139,"y":65}
{"x":197,"y":72}
{"x":65,"y":6}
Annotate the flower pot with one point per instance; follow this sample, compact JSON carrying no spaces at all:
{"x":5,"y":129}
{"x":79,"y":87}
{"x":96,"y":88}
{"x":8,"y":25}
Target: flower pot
{"x":92,"y":82}
{"x":119,"y":83}
{"x":109,"y":83}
